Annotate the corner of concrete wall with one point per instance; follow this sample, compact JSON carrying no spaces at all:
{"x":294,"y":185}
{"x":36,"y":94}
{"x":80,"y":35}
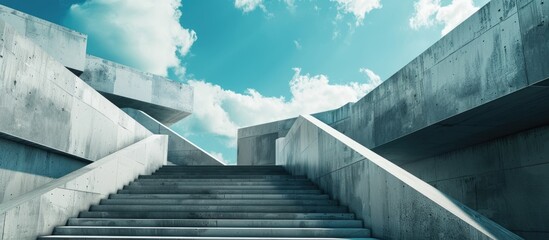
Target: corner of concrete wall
{"x":180,"y":150}
{"x":65,"y":45}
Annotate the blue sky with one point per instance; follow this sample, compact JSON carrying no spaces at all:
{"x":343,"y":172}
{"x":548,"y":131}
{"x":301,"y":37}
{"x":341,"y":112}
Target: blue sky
{"x":254,"y":61}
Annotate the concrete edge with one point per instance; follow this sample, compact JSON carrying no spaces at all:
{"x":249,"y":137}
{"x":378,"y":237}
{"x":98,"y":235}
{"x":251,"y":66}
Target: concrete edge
{"x":164,"y":127}
{"x":490,"y":228}
{"x":23,"y":15}
{"x":61,"y":182}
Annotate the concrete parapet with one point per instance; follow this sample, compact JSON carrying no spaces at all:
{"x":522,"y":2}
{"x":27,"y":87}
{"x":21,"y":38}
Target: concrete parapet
{"x":36,"y":213}
{"x":65,"y":45}
{"x":180,"y":150}
{"x":165,"y":100}
{"x":392,"y":202}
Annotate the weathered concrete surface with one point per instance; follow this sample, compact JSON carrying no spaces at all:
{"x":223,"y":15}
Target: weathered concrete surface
{"x":504,"y":179}
{"x":165,"y":100}
{"x":392,"y":202}
{"x":180,"y":150}
{"x":43,"y":103}
{"x":256,"y":144}
{"x":38,"y":212}
{"x":24,"y":168}
{"x":64,"y":45}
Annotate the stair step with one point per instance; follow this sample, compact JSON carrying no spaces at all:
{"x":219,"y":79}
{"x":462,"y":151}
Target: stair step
{"x":224,"y":180}
{"x":93,"y":237}
{"x":219,"y":191}
{"x":218,"y":208}
{"x":213,"y":187}
{"x":198,"y":173}
{"x":212,"y":231}
{"x":220,"y":196}
{"x":221,"y":176}
{"x":206,"y":167}
{"x":230,"y":183}
{"x":262,"y":202}
{"x":215,"y":223}
{"x":219,"y":215}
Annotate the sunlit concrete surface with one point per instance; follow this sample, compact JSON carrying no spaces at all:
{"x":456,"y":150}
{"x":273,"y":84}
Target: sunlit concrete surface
{"x":65,"y":45}
{"x":163,"y":99}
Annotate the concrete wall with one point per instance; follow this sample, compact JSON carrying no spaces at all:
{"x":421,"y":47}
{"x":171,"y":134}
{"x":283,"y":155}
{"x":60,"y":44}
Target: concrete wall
{"x":50,"y":118}
{"x":180,"y":150}
{"x":392,"y":202}
{"x":45,"y":104}
{"x":256,"y":144}
{"x":165,"y":100}
{"x":24,"y":168}
{"x":469,"y":87}
{"x":504,"y":179}
{"x":65,"y":45}
{"x":38,"y":212}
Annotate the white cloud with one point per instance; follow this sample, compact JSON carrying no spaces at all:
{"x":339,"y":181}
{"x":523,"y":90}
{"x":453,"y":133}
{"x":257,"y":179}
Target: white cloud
{"x":249,"y":5}
{"x":358,"y":8}
{"x":297,"y":45}
{"x":145,"y":34}
{"x":431,"y":12}
{"x":222,"y":112}
{"x":374,"y":78}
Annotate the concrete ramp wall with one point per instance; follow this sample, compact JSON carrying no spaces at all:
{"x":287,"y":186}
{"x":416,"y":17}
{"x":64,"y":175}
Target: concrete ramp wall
{"x":36,"y":213}
{"x":180,"y":150}
{"x":392,"y":202}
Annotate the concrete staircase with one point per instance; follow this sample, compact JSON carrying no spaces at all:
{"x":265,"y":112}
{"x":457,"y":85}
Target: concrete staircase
{"x":216,"y":202}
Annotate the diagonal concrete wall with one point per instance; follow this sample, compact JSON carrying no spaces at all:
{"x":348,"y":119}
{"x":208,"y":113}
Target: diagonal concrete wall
{"x":391,"y":201}
{"x":38,"y":212}
{"x":180,"y":150}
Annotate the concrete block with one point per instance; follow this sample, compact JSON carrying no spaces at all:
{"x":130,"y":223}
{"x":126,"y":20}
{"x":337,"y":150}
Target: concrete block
{"x":64,"y":45}
{"x":163,"y":99}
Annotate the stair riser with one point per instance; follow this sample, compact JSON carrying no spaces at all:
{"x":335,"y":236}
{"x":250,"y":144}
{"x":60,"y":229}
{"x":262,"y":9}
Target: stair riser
{"x":220,"y":196}
{"x":215,"y":232}
{"x":221,"y":176}
{"x":216,"y":223}
{"x":218,"y":215}
{"x":213,"y":191}
{"x":217,"y":202}
{"x":213,"y":208}
{"x":288,"y":183}
{"x":225,"y":180}
{"x":183,"y":187}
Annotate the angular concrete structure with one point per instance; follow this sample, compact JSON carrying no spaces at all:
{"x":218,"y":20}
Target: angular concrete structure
{"x":165,"y":100}
{"x":453,"y":146}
